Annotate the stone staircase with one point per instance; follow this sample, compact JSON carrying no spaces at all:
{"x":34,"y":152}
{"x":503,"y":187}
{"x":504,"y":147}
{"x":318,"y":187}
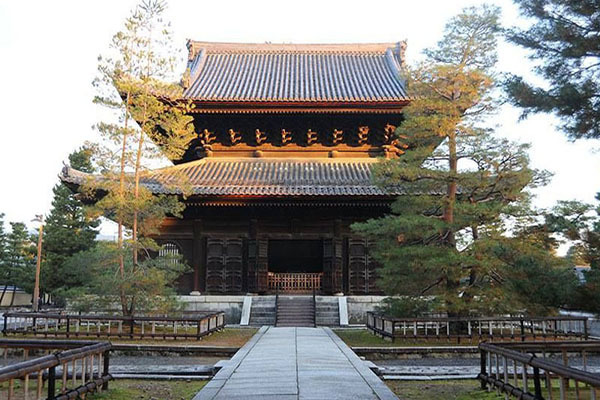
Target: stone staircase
{"x":328,"y":311}
{"x":263,"y":311}
{"x":295,"y":311}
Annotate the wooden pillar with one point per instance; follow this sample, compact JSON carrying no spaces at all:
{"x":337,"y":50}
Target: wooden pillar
{"x":197,"y":257}
{"x":338,"y":248}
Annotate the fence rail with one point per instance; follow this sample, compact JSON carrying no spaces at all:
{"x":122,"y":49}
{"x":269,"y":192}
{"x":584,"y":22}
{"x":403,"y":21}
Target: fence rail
{"x":524,"y":375}
{"x":47,"y":324}
{"x":478,"y":329}
{"x":67,"y":374}
{"x":295,"y":282}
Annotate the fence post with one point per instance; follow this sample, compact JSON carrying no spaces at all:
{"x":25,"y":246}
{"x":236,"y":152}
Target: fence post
{"x":105,"y":369}
{"x":51,"y":383}
{"x":483,"y":371}
{"x":536,"y":384}
{"x":522,"y":329}
{"x":4,"y":328}
{"x":68,"y":326}
{"x":131,"y":323}
{"x":585,"y":329}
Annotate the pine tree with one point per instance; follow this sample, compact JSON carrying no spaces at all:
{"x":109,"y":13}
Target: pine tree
{"x":134,"y":83}
{"x":4,"y":275}
{"x":565,"y":40}
{"x":68,"y":230}
{"x":20,"y":261}
{"x":439,"y":236}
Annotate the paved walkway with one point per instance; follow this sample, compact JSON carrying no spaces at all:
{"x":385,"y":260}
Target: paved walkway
{"x":295,"y":363}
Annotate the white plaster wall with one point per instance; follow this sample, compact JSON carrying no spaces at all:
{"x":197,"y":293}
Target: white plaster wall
{"x":358,"y":306}
{"x":231,"y":305}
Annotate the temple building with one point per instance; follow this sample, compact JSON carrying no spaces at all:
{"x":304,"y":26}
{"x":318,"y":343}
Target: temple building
{"x":287,"y":137}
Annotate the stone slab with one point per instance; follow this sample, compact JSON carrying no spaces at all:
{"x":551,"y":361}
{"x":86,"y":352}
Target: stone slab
{"x":295,"y":363}
{"x":343,"y":310}
{"x":246,"y":307}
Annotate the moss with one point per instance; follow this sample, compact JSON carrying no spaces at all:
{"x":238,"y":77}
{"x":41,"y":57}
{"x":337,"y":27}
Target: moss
{"x":447,"y":390}
{"x":364,"y":338}
{"x":158,"y":390}
{"x":228,"y":337}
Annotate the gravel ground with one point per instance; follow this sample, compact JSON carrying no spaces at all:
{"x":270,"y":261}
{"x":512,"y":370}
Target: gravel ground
{"x":143,"y":362}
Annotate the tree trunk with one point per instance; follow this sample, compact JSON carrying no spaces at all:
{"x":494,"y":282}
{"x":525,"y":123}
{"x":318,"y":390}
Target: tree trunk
{"x":3,"y":293}
{"x":122,"y":199}
{"x":136,"y":193}
{"x":449,"y":239}
{"x":14,"y":293}
{"x":473,"y":272}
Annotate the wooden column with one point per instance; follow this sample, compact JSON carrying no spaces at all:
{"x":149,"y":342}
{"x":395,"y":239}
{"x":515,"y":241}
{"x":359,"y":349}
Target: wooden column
{"x":198,"y":257}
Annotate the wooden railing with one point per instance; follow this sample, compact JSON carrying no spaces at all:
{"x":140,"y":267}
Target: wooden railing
{"x":67,"y":374}
{"x":46,"y":324}
{"x":523,"y":371}
{"x":295,"y":282}
{"x":478,"y":329}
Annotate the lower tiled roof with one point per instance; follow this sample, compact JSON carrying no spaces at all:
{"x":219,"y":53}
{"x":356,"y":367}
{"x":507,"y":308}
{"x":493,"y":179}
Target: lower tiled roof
{"x":262,"y":177}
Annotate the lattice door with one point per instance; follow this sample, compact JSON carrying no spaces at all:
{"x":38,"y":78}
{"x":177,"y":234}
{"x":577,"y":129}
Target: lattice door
{"x":224,"y":258}
{"x":332,"y":265}
{"x":362,"y":268}
{"x":258,"y":265}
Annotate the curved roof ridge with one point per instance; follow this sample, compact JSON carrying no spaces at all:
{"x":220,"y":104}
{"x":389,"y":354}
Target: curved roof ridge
{"x":268,"y":47}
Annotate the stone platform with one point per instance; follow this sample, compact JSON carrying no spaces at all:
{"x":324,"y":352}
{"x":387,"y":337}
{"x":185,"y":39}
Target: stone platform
{"x":295,"y":363}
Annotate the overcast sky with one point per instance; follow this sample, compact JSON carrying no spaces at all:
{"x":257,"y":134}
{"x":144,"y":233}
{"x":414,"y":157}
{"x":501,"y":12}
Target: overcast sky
{"x":48,"y":52}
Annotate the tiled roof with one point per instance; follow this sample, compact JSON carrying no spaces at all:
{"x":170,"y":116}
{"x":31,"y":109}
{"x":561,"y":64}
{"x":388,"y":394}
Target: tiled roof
{"x":262,"y":177}
{"x":347,"y":73}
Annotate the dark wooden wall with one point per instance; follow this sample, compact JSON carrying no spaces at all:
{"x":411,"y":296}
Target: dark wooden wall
{"x":227,"y":247}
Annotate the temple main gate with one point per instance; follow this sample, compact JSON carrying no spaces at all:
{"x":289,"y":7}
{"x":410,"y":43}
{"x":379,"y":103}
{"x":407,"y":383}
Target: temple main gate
{"x":287,"y":137}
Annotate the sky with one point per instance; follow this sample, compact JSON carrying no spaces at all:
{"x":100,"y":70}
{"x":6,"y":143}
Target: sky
{"x":48,"y":59}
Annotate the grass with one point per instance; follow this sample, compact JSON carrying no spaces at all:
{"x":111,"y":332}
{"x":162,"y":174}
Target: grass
{"x":228,"y":337}
{"x":470,"y":390}
{"x":364,"y":338}
{"x":158,"y":390}
{"x":447,"y":390}
{"x":122,"y":390}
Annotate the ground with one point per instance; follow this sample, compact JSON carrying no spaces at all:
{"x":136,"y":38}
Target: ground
{"x":364,"y":338}
{"x":228,"y":337}
{"x":150,"y":390}
{"x":447,"y":390}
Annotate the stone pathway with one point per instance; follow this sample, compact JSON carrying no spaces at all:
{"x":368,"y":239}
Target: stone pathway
{"x":295,"y":363}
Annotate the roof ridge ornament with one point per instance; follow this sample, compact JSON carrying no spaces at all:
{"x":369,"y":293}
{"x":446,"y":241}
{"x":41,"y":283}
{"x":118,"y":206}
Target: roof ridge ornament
{"x":401,"y":52}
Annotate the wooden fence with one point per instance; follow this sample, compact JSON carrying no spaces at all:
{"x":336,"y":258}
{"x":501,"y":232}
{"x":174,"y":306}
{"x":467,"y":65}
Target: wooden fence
{"x":478,"y":329}
{"x":527,"y":371}
{"x":47,"y":324}
{"x":66,"y":374}
{"x":295,"y":282}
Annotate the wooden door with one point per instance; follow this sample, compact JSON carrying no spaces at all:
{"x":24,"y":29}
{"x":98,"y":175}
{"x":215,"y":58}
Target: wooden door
{"x":332,"y":265}
{"x":224,"y":262}
{"x":362,"y":268}
{"x":258,"y":256}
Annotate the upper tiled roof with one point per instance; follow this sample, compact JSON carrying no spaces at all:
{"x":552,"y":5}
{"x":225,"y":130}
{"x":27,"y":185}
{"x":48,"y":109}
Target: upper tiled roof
{"x":262,"y":177}
{"x":345,"y":73}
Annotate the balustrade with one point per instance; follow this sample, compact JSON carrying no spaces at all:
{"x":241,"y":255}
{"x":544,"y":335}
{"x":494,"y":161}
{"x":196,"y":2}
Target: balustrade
{"x":295,"y":282}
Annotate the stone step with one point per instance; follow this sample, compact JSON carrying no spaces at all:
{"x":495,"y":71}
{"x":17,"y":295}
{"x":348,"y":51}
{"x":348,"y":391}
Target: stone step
{"x":293,"y":320}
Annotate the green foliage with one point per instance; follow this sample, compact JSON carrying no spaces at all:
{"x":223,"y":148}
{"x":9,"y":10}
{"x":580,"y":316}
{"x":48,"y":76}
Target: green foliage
{"x":68,"y":230}
{"x":3,"y":245}
{"x":442,"y":237}
{"x":148,"y":286}
{"x":536,"y":281}
{"x":407,"y":307}
{"x":133,"y":83}
{"x":18,"y":266}
{"x":588,"y":295}
{"x":563,"y":39}
{"x":578,"y":223}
